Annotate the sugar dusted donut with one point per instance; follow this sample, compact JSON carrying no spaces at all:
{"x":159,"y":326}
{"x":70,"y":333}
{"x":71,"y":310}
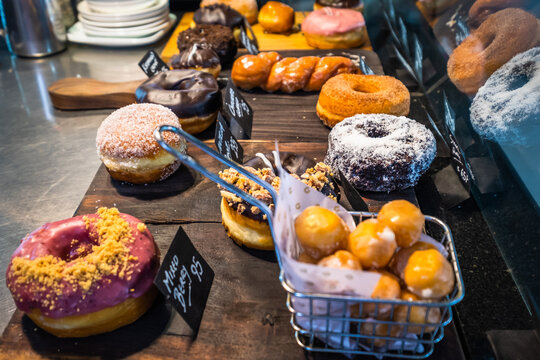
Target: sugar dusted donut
{"x":126,"y":145}
{"x":499,"y":38}
{"x":428,"y":274}
{"x":85,"y":275}
{"x":506,"y":109}
{"x":378,"y":152}
{"x":346,"y":95}
{"x":332,"y":28}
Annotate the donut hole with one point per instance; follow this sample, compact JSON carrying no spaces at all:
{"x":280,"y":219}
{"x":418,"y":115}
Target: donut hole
{"x":78,"y":247}
{"x":185,"y":84}
{"x":521,"y":75}
{"x":364,"y":88}
{"x":374,"y":132}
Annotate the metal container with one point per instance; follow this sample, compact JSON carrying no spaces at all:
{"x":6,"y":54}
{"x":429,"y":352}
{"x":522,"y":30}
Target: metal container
{"x":34,"y":28}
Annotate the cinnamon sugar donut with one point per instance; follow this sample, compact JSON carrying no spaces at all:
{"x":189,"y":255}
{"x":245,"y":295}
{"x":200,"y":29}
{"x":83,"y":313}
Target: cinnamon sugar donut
{"x":500,"y":37}
{"x":126,"y":145}
{"x":481,"y":9}
{"x":346,"y":95}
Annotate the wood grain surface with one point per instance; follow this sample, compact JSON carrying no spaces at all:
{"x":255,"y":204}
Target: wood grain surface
{"x":84,"y":93}
{"x":267,"y":41}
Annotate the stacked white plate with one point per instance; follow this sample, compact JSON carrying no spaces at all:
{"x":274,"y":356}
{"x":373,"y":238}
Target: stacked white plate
{"x":121,"y":22}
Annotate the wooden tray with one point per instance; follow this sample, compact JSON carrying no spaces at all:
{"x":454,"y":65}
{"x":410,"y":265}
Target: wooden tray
{"x":294,"y":41}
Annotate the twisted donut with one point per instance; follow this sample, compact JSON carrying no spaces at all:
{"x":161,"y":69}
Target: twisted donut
{"x":270,"y":72}
{"x":500,"y":37}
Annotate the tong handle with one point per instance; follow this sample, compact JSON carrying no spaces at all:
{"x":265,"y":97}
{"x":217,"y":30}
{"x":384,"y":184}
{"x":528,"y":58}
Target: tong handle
{"x":192,"y":163}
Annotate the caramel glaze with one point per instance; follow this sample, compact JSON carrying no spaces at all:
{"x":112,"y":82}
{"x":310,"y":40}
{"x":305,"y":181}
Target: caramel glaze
{"x":219,"y":14}
{"x":198,"y":55}
{"x":187,"y":93}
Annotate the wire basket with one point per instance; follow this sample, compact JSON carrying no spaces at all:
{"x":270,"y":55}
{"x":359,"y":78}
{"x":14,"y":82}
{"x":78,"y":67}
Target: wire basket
{"x":332,"y":323}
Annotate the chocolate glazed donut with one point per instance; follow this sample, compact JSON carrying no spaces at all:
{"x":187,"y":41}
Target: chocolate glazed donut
{"x":192,"y":95}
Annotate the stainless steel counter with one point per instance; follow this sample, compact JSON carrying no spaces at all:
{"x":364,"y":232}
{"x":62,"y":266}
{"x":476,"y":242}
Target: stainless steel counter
{"x":48,"y":156}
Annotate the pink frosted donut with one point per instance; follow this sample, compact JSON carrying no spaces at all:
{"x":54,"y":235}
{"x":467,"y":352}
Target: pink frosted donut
{"x":332,"y":28}
{"x":85,"y":275}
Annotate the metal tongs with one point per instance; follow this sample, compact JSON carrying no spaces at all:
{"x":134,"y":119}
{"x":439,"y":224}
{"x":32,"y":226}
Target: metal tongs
{"x":194,"y":164}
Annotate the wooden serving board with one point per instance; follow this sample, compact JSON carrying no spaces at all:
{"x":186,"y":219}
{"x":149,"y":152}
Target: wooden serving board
{"x":267,"y":41}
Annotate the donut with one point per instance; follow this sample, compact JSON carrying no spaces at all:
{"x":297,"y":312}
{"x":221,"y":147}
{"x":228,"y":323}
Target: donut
{"x":85,"y":275}
{"x":341,"y":259}
{"x":248,"y":8}
{"x":404,"y":219}
{"x":498,"y":39}
{"x":378,"y":152}
{"x":342,"y":4}
{"x":417,"y":314}
{"x":246,"y":224}
{"x":346,"y":95}
{"x":320,"y":232}
{"x":333,"y":28}
{"x":194,"y":97}
{"x":126,"y":145}
{"x":198,"y":57}
{"x":428,"y":274}
{"x":401,"y":257}
{"x":276,"y":17}
{"x":481,"y":9}
{"x":506,"y":108}
{"x":218,"y":14}
{"x":373,"y":243}
{"x":220,"y":39}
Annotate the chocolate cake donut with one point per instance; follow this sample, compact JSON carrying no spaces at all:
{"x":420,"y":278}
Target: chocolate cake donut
{"x":342,"y":4}
{"x":192,"y":95}
{"x":220,"y":39}
{"x":379,"y":152}
{"x":506,"y":108}
{"x":218,"y":14}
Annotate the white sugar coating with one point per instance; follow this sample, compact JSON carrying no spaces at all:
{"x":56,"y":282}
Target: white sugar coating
{"x":507,"y":108}
{"x":380,"y":152}
{"x":128,"y":133}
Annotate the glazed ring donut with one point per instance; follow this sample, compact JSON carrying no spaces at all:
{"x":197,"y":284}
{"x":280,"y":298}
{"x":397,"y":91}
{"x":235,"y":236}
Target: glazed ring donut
{"x":506,"y":108}
{"x":378,"y":152}
{"x":126,"y":145}
{"x":194,"y":97}
{"x":346,"y":95}
{"x":85,"y":275}
{"x":498,"y":39}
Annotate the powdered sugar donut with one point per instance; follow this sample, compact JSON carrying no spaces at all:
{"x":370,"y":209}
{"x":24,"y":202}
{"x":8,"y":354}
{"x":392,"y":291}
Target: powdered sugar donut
{"x":506,"y":109}
{"x":126,"y":145}
{"x":380,"y":152}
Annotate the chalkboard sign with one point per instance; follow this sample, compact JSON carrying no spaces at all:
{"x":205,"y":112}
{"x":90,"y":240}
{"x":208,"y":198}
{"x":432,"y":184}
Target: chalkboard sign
{"x":185,"y":279}
{"x":459,"y":163}
{"x":152,"y":64}
{"x":226,"y":143}
{"x":237,"y":111}
{"x":250,"y":44}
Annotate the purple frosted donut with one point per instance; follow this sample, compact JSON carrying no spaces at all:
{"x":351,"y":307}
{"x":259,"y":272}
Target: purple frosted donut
{"x":380,"y":152}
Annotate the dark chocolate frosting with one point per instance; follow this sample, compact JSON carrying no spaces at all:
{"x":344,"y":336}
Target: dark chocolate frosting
{"x":220,"y":39}
{"x":198,"y":55}
{"x":219,"y":14}
{"x":343,"y":4}
{"x":187,"y":93}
